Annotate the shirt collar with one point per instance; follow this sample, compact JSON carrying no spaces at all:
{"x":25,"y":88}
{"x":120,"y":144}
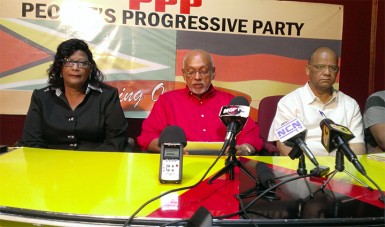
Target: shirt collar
{"x":93,"y":87}
{"x":209,"y":93}
{"x":90,"y":87}
{"x":310,"y":97}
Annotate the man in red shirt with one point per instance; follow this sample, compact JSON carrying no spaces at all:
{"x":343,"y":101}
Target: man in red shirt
{"x":195,"y":109}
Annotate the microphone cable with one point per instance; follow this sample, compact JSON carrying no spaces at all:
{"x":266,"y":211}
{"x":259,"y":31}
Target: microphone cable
{"x":243,"y":211}
{"x":223,"y":149}
{"x":175,"y":190}
{"x":379,"y":190}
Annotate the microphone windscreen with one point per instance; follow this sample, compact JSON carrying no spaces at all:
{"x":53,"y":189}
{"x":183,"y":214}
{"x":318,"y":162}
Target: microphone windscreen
{"x":172,"y":134}
{"x":264,"y":174}
{"x":240,"y":101}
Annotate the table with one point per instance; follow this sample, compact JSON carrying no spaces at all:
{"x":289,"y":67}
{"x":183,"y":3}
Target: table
{"x":61,"y":188}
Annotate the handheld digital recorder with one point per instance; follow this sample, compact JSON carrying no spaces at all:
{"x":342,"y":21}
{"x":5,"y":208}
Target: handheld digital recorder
{"x":171,"y":160}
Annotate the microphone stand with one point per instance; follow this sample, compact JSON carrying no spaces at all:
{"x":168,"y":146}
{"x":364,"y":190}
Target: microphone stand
{"x":296,"y":152}
{"x":302,"y":171}
{"x":340,"y":167}
{"x":232,"y":162}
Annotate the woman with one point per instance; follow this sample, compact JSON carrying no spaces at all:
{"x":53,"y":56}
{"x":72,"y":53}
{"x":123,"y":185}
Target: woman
{"x":76,"y":111}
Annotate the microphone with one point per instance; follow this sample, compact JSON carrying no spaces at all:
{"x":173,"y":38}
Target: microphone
{"x":131,"y":143}
{"x":293,"y":134}
{"x":266,"y":181}
{"x":172,"y":134}
{"x":172,"y":140}
{"x":330,"y":130}
{"x":337,"y":136}
{"x":234,"y":116}
{"x":265,"y":175}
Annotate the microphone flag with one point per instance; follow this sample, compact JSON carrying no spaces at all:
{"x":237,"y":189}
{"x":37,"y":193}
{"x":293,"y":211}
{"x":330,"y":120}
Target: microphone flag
{"x":289,"y":130}
{"x":330,"y":130}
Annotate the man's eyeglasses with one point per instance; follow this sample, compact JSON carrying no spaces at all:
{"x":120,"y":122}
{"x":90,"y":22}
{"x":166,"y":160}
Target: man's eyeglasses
{"x":320,"y":67}
{"x":80,"y":64}
{"x":202,"y":73}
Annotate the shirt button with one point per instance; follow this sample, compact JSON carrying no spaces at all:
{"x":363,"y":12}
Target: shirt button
{"x":204,"y":130}
{"x":70,"y":137}
{"x":202,"y":115}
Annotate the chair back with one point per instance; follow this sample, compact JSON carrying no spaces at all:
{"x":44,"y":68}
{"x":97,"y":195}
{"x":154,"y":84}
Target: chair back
{"x":266,"y":112}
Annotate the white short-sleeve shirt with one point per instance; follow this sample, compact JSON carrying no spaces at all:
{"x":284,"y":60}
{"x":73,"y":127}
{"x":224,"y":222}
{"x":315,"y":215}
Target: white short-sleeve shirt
{"x":304,"y":105}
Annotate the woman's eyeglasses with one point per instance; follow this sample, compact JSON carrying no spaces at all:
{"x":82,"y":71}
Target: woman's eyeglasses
{"x":80,"y":64}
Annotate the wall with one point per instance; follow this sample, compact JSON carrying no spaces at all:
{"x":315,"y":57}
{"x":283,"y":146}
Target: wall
{"x":360,"y":75}
{"x":355,"y":72}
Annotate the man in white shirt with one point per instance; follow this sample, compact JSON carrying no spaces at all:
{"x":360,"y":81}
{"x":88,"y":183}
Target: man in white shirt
{"x":317,"y":99}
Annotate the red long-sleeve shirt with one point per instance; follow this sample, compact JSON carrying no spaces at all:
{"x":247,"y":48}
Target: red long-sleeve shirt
{"x":199,"y":118}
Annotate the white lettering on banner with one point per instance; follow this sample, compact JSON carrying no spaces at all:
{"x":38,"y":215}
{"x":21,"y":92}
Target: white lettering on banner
{"x":129,"y":95}
{"x":121,"y":35}
{"x":155,"y":90}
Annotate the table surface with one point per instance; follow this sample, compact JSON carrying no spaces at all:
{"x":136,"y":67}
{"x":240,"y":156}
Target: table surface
{"x":115,"y":184}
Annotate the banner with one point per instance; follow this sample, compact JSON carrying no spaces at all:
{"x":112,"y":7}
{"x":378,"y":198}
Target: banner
{"x":260,"y":47}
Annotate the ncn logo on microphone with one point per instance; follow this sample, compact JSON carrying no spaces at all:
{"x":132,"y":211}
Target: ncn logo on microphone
{"x":289,"y":129}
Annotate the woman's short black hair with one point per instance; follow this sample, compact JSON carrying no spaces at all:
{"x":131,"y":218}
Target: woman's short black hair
{"x":65,"y":50}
